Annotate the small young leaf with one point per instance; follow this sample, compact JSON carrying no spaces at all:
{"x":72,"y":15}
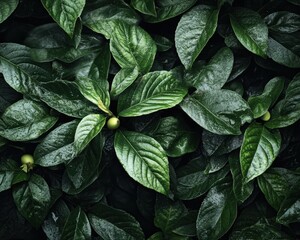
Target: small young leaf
{"x":143,"y":159}
{"x":250,"y":30}
{"x":193,"y":31}
{"x":259,"y":150}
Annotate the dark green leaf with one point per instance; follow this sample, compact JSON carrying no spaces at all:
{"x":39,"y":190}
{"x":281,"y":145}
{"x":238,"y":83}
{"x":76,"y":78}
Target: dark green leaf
{"x":212,"y":75}
{"x":57,"y":147}
{"x":145,"y":6}
{"x":32,"y":199}
{"x":193,"y":31}
{"x":163,"y":44}
{"x":296,"y":2}
{"x":25,"y":120}
{"x":77,"y":226}
{"x":175,"y":136}
{"x":153,"y":92}
{"x":287,"y":111}
{"x":259,"y":150}
{"x":215,"y":163}
{"x":285,"y":22}
{"x":65,"y":13}
{"x":166,"y":9}
{"x":239,"y":66}
{"x":186,"y":226}
{"x":131,"y":47}
{"x":6,"y":8}
{"x":217,"y":213}
{"x":250,"y":30}
{"x":8,"y":167}
{"x":111,"y":223}
{"x":143,"y":159}
{"x":218,"y":111}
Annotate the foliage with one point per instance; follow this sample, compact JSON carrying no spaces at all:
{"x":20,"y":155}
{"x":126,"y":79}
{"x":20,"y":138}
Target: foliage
{"x":149,"y":119}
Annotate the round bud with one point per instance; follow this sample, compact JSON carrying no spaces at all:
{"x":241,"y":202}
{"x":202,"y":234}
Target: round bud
{"x":27,"y":159}
{"x":266,"y":117}
{"x":113,"y":123}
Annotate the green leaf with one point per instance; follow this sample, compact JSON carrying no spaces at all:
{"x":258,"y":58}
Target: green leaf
{"x":32,"y":199}
{"x":212,"y":75}
{"x":250,"y":30}
{"x":259,"y":150}
{"x":145,"y":6}
{"x":57,"y":147}
{"x":65,"y":13}
{"x":84,"y":169}
{"x":193,"y":181}
{"x":95,"y":91}
{"x":283,"y":21}
{"x":241,"y":190}
{"x":193,"y":31}
{"x":240,"y":65}
{"x":104,"y":18}
{"x":25,"y":120}
{"x":65,"y":97}
{"x":77,"y":226}
{"x":284,"y":52}
{"x":123,"y":79}
{"x":175,"y":136}
{"x":166,"y":9}
{"x":87,"y":129}
{"x":218,"y":111}
{"x":185,"y":226}
{"x":163,"y":44}
{"x":287,"y":111}
{"x":153,"y":92}
{"x":111,"y":223}
{"x":261,"y":103}
{"x":274,"y":185}
{"x":19,"y":71}
{"x":217,"y":213}
{"x":8,"y":167}
{"x":7,"y":7}
{"x":131,"y":47}
{"x":143,"y":159}
{"x":296,"y":2}
{"x":215,"y":163}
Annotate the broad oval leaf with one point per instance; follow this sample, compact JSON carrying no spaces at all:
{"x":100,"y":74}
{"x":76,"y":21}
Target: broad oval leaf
{"x":287,"y":111}
{"x":166,"y":9}
{"x":218,"y":111}
{"x":131,"y":47}
{"x":32,"y":199}
{"x":283,"y":21}
{"x":57,"y":147}
{"x":87,"y":129}
{"x":146,"y":6}
{"x":153,"y":92}
{"x":259,"y":149}
{"x":251,"y":30}
{"x":111,"y":223}
{"x":217,"y":213}
{"x":6,"y":8}
{"x":77,"y":226}
{"x":193,"y":31}
{"x":25,"y":120}
{"x":65,"y":13}
{"x":65,"y":97}
{"x":143,"y":159}
{"x":212,"y":75}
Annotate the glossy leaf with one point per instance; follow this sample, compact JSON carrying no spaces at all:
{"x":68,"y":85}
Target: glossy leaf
{"x":283,"y":21}
{"x":25,"y":120}
{"x":77,"y":226}
{"x":65,"y":13}
{"x":65,"y":97}
{"x":7,"y":7}
{"x":143,"y":159}
{"x":131,"y":47}
{"x":32,"y":199}
{"x":57,"y":147}
{"x":87,"y":129}
{"x":259,"y":150}
{"x":123,"y":79}
{"x":146,"y":7}
{"x":218,"y":111}
{"x":217,"y":213}
{"x":8,"y":167}
{"x":193,"y":31}
{"x":166,"y":9}
{"x":261,"y":103}
{"x":212,"y":75}
{"x":250,"y":30}
{"x":111,"y":223}
{"x":153,"y":92}
{"x":287,"y":111}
